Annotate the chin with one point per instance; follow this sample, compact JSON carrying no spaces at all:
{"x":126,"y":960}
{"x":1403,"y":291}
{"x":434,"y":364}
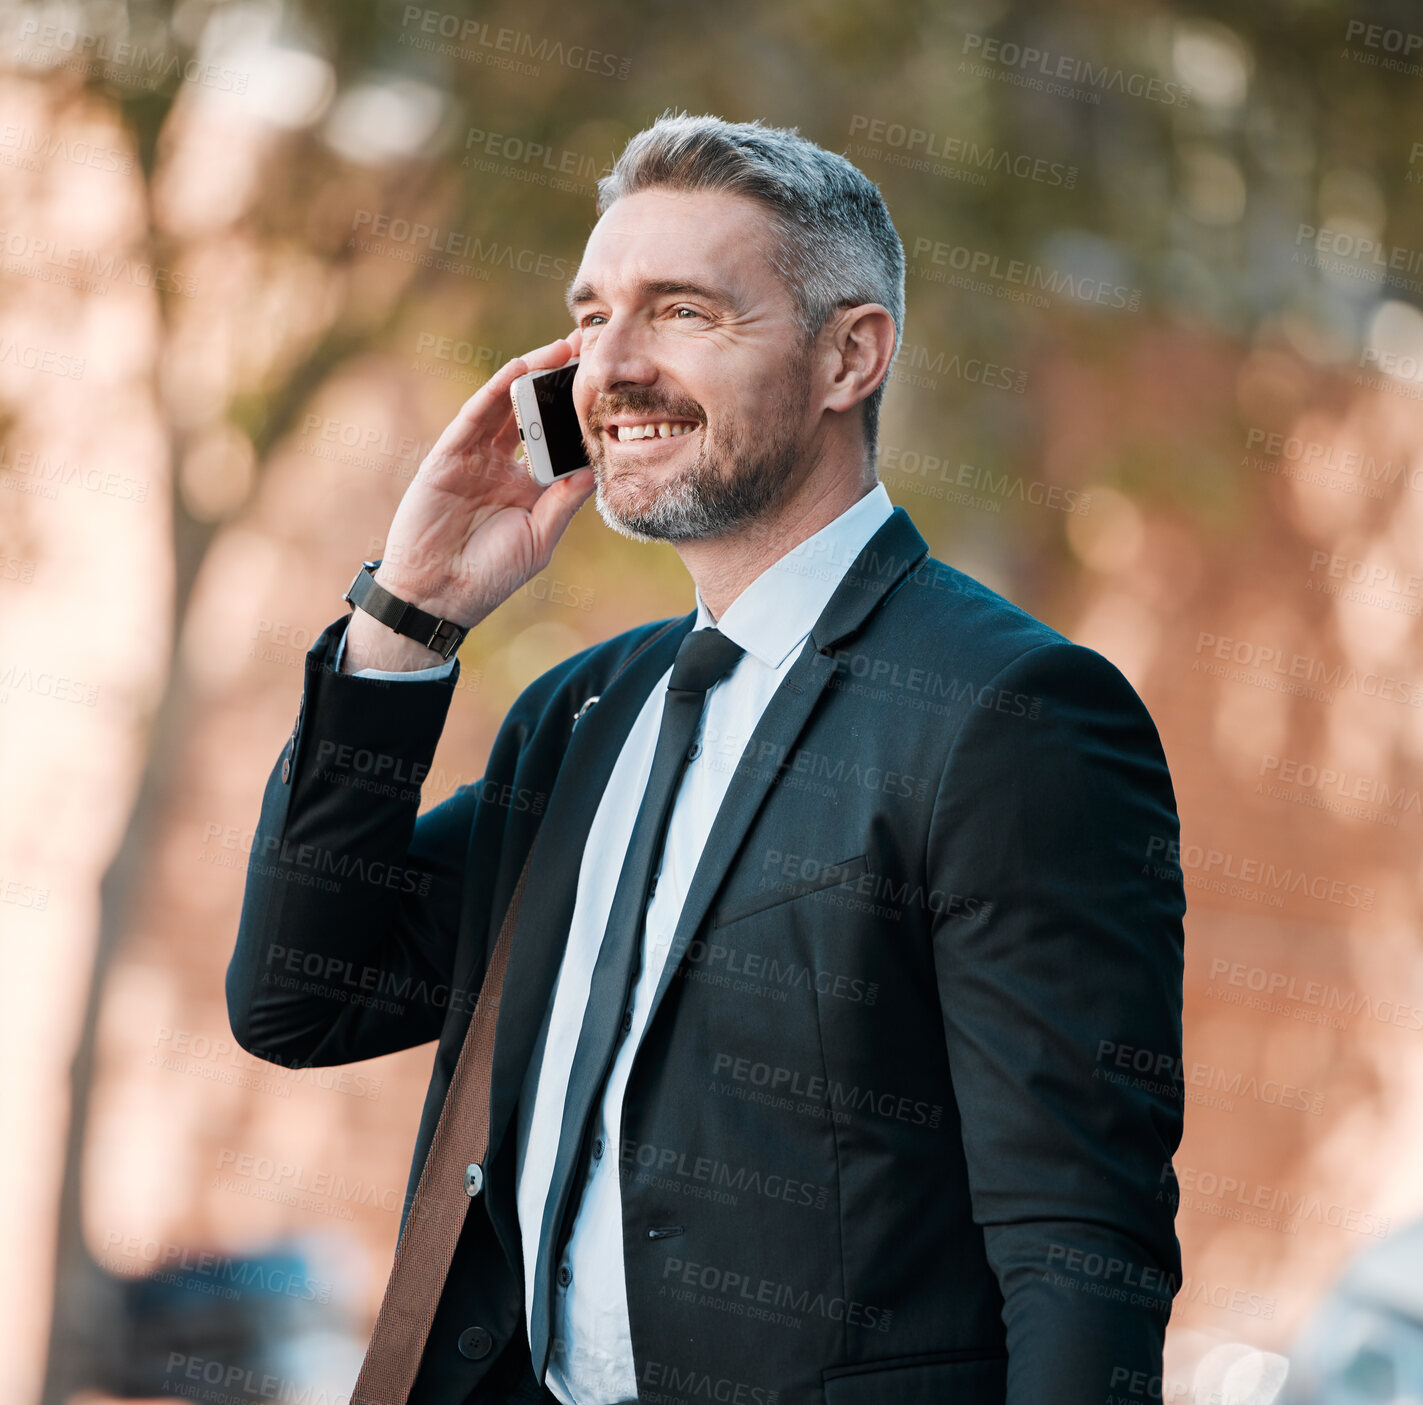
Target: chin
{"x":627,"y":517}
{"x":645,"y":515}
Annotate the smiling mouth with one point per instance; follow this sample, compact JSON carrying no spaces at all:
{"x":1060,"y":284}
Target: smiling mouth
{"x":651,"y":433}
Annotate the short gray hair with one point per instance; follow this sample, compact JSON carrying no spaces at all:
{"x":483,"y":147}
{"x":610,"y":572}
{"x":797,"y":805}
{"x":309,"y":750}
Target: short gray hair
{"x":833,"y":241}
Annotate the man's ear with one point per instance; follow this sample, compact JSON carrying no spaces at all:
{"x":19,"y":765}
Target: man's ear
{"x":860,"y":348}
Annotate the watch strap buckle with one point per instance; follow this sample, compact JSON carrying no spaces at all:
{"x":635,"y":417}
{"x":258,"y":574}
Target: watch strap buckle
{"x":440,"y":636}
{"x":445,"y":638}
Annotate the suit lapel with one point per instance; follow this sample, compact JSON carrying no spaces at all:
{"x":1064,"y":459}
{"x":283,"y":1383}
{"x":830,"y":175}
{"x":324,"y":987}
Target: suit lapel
{"x":885,"y":560}
{"x":540,"y":934}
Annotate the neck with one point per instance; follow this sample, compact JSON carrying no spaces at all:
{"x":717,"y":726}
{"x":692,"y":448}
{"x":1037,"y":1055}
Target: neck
{"x":722,"y":567}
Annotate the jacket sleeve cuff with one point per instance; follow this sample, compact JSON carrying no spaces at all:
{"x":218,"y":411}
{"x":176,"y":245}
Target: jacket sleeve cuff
{"x":345,"y":721}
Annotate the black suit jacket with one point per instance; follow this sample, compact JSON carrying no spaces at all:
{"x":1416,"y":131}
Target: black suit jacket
{"x":886,"y":1137}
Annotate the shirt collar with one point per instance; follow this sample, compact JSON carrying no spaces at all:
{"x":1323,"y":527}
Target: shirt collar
{"x":779,"y":608}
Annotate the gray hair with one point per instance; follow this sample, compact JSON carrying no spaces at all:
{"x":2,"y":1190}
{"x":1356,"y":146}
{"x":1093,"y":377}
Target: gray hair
{"x":833,"y":241}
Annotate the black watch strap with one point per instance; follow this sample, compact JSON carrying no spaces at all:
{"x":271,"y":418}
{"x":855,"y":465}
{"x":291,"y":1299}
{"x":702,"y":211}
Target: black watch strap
{"x":364,"y":593}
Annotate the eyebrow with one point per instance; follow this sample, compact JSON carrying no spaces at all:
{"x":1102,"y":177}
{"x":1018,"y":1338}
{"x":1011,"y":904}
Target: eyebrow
{"x":579,"y":294}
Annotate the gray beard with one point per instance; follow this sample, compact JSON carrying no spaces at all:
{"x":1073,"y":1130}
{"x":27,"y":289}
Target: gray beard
{"x":729,"y":485}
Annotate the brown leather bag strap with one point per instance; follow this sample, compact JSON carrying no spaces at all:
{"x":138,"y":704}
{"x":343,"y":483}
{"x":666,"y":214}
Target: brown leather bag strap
{"x":450,"y":1178}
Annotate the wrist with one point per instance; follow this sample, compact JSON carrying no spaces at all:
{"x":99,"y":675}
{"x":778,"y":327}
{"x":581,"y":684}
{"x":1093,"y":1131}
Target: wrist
{"x":370,"y":644}
{"x":398,"y":615}
{"x":434,"y":599}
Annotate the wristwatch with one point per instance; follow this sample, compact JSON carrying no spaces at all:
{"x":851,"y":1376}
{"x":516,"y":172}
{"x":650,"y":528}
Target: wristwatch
{"x":443,"y":636}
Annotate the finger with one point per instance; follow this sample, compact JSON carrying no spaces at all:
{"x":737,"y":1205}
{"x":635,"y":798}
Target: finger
{"x":508,"y":440}
{"x":555,"y":353}
{"x":490,"y":410}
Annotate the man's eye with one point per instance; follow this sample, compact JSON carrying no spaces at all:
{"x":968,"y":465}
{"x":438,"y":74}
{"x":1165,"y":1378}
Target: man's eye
{"x":590,"y":317}
{"x":692,"y":310}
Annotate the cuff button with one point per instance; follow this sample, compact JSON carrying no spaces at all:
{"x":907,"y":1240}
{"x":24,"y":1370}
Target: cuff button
{"x":475,"y":1343}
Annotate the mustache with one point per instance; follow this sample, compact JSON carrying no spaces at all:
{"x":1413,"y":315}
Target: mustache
{"x":600,"y":414}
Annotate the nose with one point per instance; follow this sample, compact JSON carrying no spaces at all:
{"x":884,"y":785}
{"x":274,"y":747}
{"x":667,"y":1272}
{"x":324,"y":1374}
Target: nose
{"x":617,"y":357}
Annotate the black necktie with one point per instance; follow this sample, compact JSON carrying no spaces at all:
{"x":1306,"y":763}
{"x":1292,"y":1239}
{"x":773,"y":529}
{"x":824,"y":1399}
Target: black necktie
{"x":704,"y":656}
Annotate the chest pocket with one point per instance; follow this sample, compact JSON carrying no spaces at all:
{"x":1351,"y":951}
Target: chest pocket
{"x":829,"y":876}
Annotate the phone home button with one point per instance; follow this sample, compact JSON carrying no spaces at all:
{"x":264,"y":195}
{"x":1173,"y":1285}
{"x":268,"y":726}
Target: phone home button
{"x":536,"y":430}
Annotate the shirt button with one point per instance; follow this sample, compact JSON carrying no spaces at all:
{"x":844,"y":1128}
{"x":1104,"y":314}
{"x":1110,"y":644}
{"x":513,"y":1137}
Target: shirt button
{"x":286,"y":768}
{"x":694,"y":751}
{"x":652,"y":885}
{"x":565,"y":1276}
{"x":598,"y":1148}
{"x":627,"y":1022}
{"x":475,"y":1343}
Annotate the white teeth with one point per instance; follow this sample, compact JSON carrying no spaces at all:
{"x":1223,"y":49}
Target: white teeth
{"x":664,"y":429}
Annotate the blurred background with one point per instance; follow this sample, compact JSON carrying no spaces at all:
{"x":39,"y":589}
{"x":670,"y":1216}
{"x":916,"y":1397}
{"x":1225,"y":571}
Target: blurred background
{"x":1161,"y":383}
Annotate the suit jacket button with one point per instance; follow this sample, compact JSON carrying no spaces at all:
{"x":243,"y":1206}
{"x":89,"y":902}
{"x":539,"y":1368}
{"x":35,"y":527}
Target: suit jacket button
{"x":475,"y":1343}
{"x":286,"y":768}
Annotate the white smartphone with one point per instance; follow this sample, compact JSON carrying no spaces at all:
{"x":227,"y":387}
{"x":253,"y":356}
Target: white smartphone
{"x":548,"y":423}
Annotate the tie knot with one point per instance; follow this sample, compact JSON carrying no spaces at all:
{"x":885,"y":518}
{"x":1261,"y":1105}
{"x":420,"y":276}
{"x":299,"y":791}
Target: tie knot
{"x":704,"y":656}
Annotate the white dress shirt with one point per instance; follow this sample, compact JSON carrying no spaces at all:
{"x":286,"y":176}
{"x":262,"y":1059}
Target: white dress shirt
{"x":591,"y":1361}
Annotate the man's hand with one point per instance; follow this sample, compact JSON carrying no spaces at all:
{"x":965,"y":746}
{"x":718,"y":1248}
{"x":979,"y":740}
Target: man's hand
{"x":472,"y":526}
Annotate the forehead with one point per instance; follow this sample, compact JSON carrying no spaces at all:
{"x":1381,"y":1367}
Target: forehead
{"x":668,"y":236}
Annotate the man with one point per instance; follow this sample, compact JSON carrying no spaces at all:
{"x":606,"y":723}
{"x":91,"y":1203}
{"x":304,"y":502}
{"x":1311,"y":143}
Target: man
{"x":843,"y":1118}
